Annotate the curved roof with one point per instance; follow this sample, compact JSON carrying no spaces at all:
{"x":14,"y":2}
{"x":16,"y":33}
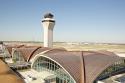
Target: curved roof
{"x":96,"y":63}
{"x":38,"y":51}
{"x":10,"y":47}
{"x":7,"y":75}
{"x":83,"y":66}
{"x":29,"y":52}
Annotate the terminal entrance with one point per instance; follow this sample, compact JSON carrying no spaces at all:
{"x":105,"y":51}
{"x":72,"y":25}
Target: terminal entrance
{"x":59,"y":75}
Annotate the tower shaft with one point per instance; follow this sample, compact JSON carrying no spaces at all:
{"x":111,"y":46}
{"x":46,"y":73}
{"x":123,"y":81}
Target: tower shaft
{"x":48,"y":24}
{"x":48,"y":34}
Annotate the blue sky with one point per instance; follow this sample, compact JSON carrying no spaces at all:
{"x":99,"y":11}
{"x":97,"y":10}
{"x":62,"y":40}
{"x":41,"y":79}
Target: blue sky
{"x":76,"y":20}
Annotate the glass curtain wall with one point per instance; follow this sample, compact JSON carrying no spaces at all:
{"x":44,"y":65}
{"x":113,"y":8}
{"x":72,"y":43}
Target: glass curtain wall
{"x":45,"y":64}
{"x":18,"y":57}
{"x":6,"y":52}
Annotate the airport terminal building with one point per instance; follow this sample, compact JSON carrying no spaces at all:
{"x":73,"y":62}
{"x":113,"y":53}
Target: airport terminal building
{"x":65,"y":66}
{"x":78,"y":67}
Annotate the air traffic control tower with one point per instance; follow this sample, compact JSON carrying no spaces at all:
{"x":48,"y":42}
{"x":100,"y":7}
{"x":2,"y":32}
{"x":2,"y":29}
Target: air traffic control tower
{"x":48,"y":24}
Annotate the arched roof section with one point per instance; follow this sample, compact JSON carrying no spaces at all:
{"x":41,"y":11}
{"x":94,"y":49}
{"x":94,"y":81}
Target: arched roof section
{"x":10,"y":47}
{"x":42,"y":49}
{"x":69,"y":61}
{"x":27,"y":51}
{"x":95,"y":63}
{"x":83,"y":66}
{"x":7,"y":75}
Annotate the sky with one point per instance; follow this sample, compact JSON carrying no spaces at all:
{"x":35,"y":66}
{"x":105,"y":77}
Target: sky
{"x":101,"y":21}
